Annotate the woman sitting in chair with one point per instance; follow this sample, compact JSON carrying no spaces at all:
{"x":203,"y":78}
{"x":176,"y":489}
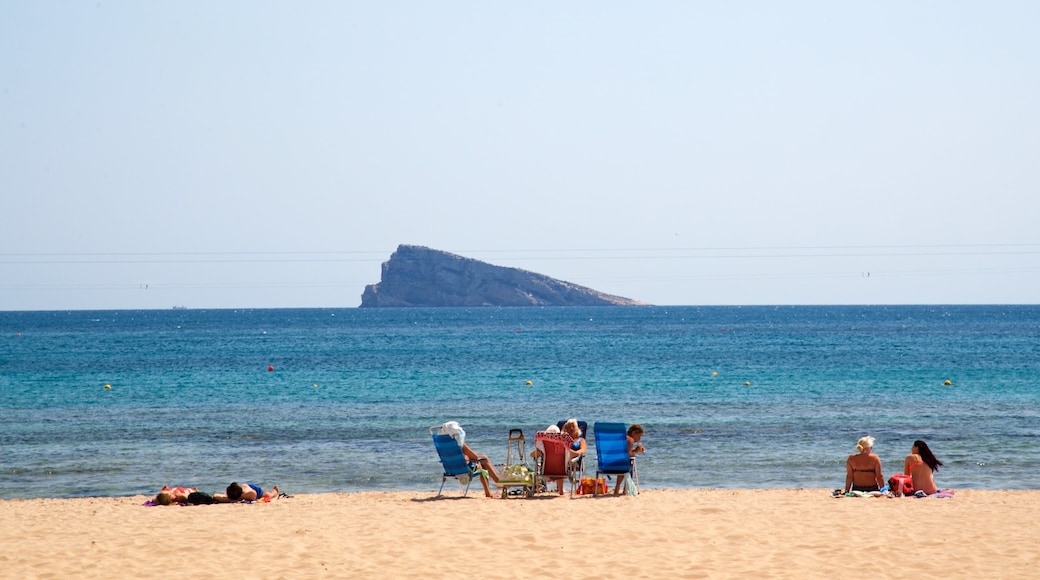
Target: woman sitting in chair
{"x":577,"y":449}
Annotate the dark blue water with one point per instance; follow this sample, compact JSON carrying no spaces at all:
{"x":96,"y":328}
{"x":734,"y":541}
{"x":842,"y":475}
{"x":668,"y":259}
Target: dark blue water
{"x":354,"y":391}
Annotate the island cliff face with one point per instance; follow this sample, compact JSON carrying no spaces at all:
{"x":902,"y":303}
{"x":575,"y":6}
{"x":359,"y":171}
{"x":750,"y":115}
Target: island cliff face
{"x":419,"y":276}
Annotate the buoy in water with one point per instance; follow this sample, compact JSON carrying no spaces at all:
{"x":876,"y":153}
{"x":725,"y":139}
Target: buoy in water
{"x":530,"y":383}
{"x":947,"y":382}
{"x":714,"y":374}
{"x":270,"y":368}
{"x":747,"y":383}
{"x":108,"y":386}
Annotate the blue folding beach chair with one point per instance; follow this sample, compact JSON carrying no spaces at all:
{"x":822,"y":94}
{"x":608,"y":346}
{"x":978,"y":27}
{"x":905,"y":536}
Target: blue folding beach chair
{"x":612,"y":456}
{"x":454,"y":462}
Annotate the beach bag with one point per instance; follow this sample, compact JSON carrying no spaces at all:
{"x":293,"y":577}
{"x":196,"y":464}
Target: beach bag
{"x":589,"y":484}
{"x":630,"y":486}
{"x":901,"y":484}
{"x":516,"y":474}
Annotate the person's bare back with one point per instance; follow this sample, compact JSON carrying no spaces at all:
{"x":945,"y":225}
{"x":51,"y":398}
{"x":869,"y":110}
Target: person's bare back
{"x":920,"y":473}
{"x":866,"y":471}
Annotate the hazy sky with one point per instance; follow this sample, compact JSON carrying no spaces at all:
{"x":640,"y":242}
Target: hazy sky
{"x":274,"y":154}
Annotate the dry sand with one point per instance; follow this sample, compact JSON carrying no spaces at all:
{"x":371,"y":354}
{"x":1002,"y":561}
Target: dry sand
{"x":702,"y":533}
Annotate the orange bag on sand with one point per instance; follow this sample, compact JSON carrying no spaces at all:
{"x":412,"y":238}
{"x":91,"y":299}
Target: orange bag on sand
{"x":589,"y":485}
{"x":901,"y":483}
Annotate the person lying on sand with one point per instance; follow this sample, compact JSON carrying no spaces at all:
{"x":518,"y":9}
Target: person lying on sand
{"x":173,"y":495}
{"x":245,"y":492}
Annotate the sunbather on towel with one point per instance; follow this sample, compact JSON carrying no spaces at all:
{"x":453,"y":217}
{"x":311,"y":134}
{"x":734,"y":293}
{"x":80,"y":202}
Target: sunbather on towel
{"x":863,"y":469}
{"x":245,"y":492}
{"x":920,"y":465}
{"x":635,"y":434}
{"x":173,"y":495}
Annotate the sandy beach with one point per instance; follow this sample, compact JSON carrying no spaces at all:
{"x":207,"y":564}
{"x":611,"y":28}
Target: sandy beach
{"x":696,"y":533}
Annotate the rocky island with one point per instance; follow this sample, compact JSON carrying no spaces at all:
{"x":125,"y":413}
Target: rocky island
{"x":420,"y":276}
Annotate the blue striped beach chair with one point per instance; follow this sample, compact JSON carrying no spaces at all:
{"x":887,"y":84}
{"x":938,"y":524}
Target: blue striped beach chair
{"x":455,"y":464}
{"x":612,"y":457}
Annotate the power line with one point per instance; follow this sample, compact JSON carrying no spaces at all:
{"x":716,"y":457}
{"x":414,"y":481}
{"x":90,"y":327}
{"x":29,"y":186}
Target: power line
{"x":689,"y":253}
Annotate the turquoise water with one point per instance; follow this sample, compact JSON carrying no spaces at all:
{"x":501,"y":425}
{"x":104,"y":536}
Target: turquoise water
{"x":353,"y":392}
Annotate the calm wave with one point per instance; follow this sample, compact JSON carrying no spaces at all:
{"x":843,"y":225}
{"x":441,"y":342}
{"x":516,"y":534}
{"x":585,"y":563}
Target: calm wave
{"x":353,"y":392}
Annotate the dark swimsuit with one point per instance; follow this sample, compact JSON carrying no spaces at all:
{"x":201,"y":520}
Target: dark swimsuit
{"x":871,"y":487}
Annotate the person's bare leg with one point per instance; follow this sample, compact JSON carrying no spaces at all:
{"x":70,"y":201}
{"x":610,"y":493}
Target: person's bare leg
{"x":486,"y":464}
{"x":617,"y":488}
{"x":483,"y":460}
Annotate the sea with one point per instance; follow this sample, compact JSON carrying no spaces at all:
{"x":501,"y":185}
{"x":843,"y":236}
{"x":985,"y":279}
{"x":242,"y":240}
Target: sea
{"x":120,"y":402}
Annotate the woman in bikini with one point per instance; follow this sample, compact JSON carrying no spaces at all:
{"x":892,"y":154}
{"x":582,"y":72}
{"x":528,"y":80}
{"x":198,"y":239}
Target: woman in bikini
{"x":920,"y":465}
{"x":863,"y":469}
{"x":173,"y":495}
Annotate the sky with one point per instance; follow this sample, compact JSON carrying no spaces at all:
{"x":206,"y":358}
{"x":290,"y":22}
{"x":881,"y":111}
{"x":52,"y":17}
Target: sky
{"x":252,"y":154}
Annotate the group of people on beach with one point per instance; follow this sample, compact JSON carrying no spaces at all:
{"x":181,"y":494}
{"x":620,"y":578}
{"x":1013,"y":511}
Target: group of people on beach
{"x":235,"y":492}
{"x":577,"y":447}
{"x":863,"y":470}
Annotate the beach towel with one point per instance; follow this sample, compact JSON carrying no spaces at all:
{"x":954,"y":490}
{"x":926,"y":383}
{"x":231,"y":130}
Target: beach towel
{"x":838,"y":493}
{"x":455,"y":430}
{"x":939,"y":494}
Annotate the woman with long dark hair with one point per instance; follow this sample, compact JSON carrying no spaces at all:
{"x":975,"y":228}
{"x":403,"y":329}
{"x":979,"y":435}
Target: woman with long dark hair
{"x":920,"y":465}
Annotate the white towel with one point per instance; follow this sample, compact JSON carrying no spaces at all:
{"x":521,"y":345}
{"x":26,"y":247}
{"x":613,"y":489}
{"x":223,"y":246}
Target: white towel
{"x":455,"y":430}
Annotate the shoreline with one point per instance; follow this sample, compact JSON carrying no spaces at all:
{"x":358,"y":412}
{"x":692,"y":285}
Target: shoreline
{"x":717,"y":532}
